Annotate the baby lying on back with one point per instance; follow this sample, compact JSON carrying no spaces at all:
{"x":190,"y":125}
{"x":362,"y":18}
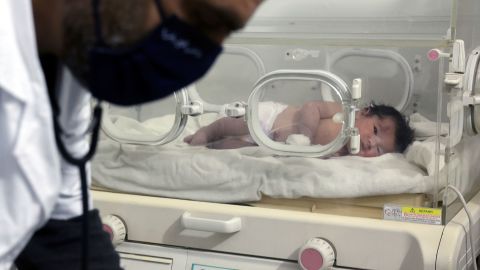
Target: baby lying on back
{"x":382,"y":128}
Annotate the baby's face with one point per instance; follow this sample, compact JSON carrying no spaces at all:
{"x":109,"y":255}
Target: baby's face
{"x":377,"y":135}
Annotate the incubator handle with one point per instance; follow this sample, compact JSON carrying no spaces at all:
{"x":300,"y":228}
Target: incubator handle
{"x":354,"y":142}
{"x":211,"y":225}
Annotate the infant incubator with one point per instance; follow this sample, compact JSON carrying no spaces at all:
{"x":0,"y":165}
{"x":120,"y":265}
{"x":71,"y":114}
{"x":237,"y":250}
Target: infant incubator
{"x":296,"y":204}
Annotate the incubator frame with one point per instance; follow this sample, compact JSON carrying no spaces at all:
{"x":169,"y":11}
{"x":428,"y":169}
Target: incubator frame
{"x":339,"y":87}
{"x":359,"y":241}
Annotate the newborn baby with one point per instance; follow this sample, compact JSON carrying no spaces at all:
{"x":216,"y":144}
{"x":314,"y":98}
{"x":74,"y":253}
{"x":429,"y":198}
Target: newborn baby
{"x":382,"y":128}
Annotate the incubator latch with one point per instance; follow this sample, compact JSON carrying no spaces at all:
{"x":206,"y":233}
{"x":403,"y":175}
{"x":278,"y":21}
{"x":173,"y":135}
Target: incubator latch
{"x":454,"y":79}
{"x":354,"y":141}
{"x":193,"y":109}
{"x":354,"y":146}
{"x":457,"y":64}
{"x":236,"y":109}
{"x":456,"y":68}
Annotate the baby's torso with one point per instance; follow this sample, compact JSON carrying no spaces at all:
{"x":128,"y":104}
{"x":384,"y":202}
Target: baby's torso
{"x":326,"y":132}
{"x":287,"y":123}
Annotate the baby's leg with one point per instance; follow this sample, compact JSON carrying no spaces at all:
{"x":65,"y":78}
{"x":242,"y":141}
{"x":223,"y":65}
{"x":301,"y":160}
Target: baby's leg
{"x":200,"y":137}
{"x":230,"y":143}
{"x":223,"y":127}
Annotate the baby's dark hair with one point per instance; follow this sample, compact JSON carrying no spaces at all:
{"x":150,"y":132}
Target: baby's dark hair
{"x":403,"y":133}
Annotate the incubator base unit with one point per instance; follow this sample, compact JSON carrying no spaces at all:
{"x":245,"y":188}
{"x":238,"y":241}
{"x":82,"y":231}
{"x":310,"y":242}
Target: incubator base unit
{"x":158,"y":236}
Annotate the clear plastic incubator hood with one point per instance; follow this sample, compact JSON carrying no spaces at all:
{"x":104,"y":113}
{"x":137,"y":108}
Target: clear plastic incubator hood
{"x":286,"y":154}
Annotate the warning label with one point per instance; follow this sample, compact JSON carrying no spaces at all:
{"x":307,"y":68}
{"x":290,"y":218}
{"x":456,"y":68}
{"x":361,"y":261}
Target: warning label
{"x":412,"y":214}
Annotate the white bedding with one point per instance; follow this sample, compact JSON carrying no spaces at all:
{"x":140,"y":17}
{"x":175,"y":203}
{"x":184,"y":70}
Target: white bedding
{"x":238,"y":175}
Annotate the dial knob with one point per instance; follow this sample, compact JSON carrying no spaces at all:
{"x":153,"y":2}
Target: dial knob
{"x":316,"y":254}
{"x":115,"y":227}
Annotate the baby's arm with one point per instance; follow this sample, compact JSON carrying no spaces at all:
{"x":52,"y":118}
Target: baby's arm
{"x":219,"y":129}
{"x":310,"y":114}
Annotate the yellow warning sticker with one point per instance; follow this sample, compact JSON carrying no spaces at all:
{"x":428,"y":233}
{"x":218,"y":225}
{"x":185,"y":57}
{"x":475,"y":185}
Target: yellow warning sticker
{"x":422,"y":211}
{"x":412,"y":214}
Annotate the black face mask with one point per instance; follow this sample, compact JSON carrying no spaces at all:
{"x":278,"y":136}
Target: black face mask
{"x":173,"y":56}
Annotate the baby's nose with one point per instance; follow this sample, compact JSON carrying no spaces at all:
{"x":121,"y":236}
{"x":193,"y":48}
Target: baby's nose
{"x":365,"y":144}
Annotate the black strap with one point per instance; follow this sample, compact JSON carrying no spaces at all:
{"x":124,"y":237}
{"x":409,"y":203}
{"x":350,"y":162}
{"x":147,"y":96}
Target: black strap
{"x":81,"y":164}
{"x":51,"y":70}
{"x":96,"y":121}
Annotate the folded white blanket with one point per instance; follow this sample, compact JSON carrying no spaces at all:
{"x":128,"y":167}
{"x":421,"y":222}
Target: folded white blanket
{"x":424,"y":128}
{"x":237,"y":175}
{"x":245,"y":174}
{"x":181,"y":171}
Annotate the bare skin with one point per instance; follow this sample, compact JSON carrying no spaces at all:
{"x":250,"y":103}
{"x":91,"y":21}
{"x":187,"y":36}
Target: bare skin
{"x":313,"y":119}
{"x":377,"y":135}
{"x":64,"y":28}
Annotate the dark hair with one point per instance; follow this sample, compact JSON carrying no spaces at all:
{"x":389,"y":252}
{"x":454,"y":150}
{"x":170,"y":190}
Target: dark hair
{"x":403,"y":133}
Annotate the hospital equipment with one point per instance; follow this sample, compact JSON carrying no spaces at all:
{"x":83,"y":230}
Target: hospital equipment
{"x":185,"y":207}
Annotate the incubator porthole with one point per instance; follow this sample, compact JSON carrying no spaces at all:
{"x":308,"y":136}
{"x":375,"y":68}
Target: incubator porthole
{"x":277,"y":120}
{"x":146,"y":124}
{"x":389,"y":80}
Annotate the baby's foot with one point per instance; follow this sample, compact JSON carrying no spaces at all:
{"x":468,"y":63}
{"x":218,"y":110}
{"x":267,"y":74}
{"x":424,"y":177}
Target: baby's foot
{"x":188,"y":139}
{"x":198,"y":138}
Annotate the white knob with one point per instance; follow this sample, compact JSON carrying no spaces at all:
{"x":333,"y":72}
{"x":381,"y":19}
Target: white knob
{"x":235,"y":109}
{"x":115,"y":227}
{"x":316,"y":254}
{"x":338,"y":118}
{"x":194,"y":108}
{"x":357,"y":89}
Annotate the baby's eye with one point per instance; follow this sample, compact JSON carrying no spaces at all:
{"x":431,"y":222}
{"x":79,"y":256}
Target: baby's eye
{"x":375,"y":131}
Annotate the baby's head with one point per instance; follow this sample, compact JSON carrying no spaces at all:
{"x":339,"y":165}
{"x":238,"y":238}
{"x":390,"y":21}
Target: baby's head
{"x":382,"y":130}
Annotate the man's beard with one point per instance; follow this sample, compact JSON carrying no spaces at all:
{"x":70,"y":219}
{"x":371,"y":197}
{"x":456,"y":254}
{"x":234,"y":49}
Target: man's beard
{"x":123,"y":24}
{"x":208,"y":17}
